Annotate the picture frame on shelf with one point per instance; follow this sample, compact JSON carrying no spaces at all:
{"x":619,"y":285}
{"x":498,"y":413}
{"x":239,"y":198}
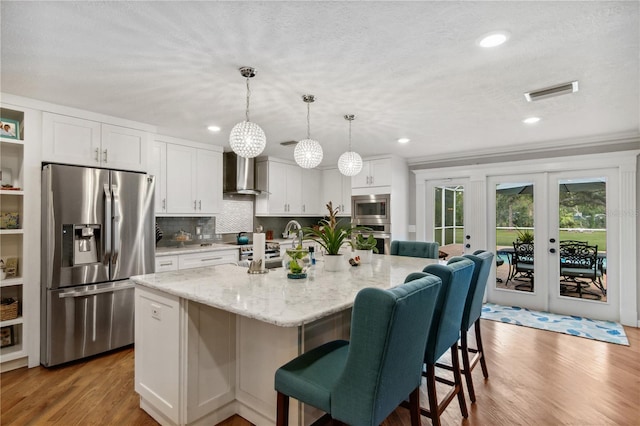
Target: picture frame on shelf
{"x":9,"y":128}
{"x":7,"y":337}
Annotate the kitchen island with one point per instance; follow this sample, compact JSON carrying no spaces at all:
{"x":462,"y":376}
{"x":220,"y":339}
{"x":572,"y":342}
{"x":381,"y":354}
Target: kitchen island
{"x":208,"y":340}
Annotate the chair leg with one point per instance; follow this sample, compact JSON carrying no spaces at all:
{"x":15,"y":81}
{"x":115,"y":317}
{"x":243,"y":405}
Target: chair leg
{"x":483,"y":362}
{"x":466,"y":365}
{"x":282,"y":414}
{"x":457,"y":377}
{"x":431,"y":392}
{"x":414,"y":407}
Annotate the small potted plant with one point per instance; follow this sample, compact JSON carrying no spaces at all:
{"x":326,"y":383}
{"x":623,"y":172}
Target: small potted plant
{"x":364,"y":247}
{"x":295,"y":262}
{"x":332,"y":234}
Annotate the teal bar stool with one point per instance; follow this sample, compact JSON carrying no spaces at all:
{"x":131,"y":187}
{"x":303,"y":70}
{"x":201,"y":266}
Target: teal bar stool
{"x":429,"y":250}
{"x":483,"y":261}
{"x":362,"y":381}
{"x":444,"y":333}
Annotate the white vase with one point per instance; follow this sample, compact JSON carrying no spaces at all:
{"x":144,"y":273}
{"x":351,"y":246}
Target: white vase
{"x":334,"y":262}
{"x":364,"y":255}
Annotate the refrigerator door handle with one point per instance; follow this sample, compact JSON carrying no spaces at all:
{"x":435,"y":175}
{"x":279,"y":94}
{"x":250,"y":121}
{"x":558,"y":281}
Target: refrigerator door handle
{"x":116,"y":223}
{"x":83,"y":293}
{"x":107,"y":224}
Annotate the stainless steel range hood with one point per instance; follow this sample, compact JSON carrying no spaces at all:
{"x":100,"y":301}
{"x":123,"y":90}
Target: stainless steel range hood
{"x":239,"y":175}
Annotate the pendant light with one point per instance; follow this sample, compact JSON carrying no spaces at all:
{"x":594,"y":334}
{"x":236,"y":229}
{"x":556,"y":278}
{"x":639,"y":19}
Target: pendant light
{"x":247,"y":139}
{"x":350,"y":163}
{"x":308,"y":152}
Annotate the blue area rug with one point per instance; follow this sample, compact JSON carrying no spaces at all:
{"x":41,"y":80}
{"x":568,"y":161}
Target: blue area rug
{"x":606,"y":331}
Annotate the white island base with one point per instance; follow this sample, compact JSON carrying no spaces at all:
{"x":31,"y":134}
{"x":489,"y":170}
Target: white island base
{"x":198,"y":365}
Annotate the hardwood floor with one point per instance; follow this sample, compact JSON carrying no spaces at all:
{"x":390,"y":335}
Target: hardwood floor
{"x":535,"y":378}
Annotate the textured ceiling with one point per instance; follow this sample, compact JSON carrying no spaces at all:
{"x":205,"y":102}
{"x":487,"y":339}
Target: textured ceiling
{"x":406,"y":69}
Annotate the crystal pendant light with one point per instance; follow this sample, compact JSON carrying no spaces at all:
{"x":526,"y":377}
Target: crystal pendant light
{"x":308,"y":152}
{"x":247,"y":139}
{"x":350,"y":163}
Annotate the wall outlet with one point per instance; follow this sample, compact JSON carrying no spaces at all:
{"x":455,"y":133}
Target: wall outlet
{"x":411,"y":228}
{"x":156,"y":312}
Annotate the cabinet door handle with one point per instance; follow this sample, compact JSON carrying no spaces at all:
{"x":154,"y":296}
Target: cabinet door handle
{"x":97,"y":155}
{"x":303,"y":208}
{"x":195,"y":204}
{"x":164,"y":204}
{"x":199,"y":204}
{"x":105,"y":155}
{"x":209,"y":259}
{"x":371,"y":180}
{"x":166,"y":263}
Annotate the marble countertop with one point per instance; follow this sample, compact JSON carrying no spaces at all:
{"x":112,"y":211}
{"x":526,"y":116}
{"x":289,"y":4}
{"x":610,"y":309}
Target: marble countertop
{"x":273,"y":298}
{"x":194,"y":248}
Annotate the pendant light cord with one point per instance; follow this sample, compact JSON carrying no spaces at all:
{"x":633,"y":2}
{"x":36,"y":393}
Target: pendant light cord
{"x":350,"y":135}
{"x":248,"y":95}
{"x":308,"y":120}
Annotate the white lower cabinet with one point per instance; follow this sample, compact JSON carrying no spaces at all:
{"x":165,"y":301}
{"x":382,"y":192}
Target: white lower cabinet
{"x":166,"y":263}
{"x":183,"y":375}
{"x":199,"y":260}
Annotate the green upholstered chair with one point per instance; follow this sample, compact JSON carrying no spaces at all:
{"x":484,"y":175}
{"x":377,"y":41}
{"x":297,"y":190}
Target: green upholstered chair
{"x":444,"y":333}
{"x":425,"y":249}
{"x":483,"y":261}
{"x":362,"y":381}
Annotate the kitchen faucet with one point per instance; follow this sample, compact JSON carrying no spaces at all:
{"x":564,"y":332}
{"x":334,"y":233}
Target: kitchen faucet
{"x":295,"y":225}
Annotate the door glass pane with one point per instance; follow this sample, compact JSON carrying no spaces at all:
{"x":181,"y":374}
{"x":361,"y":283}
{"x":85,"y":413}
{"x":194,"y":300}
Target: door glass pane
{"x":582,"y":207}
{"x":449,"y":218}
{"x":514,"y":236}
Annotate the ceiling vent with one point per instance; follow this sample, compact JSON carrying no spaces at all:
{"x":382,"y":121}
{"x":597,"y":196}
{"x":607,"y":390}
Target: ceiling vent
{"x":548,"y":92}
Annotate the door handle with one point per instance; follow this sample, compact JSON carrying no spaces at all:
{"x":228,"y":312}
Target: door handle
{"x":107,"y":224}
{"x":552,"y":250}
{"x":468,"y":237}
{"x":209,"y":259}
{"x":97,"y":155}
{"x":116,"y":223}
{"x":199,"y":204}
{"x":195,"y":203}
{"x":467,"y":245}
{"x":552,"y":240}
{"x":164,"y":203}
{"x":96,"y":291}
{"x":105,"y":155}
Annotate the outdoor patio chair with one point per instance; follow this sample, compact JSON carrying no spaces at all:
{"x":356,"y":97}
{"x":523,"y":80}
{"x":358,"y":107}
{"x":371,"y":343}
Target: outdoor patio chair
{"x":523,"y":264}
{"x":580,"y":261}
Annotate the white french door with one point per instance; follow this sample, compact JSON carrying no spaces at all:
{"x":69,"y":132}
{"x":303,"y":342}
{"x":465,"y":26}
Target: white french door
{"x":583,"y":250}
{"x":565,"y":216}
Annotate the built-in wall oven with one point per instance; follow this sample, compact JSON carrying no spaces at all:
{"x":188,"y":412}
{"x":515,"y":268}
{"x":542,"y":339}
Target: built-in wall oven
{"x":373,"y":211}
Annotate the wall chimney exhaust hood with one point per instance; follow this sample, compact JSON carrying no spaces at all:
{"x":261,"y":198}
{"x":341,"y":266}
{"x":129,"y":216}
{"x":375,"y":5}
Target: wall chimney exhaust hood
{"x":239,"y":175}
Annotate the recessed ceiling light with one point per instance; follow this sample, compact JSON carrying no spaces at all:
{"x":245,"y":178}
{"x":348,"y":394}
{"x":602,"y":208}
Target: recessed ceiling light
{"x":531,"y":120}
{"x":403,"y":140}
{"x":493,"y":39}
{"x":213,"y":128}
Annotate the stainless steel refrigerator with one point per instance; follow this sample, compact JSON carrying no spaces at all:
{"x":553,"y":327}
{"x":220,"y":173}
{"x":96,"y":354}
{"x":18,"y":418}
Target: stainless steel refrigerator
{"x":98,"y":230}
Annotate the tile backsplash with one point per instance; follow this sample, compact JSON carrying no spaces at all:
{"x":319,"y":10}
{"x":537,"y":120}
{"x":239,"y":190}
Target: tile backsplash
{"x":173,"y":225}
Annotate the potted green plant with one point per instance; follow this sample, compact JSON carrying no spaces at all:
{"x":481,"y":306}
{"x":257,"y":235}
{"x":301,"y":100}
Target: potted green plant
{"x":331,"y":235}
{"x":364,"y":247}
{"x":525,"y":236}
{"x":295,"y":262}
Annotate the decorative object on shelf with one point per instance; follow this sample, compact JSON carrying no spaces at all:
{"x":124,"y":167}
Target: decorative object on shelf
{"x":8,"y":309}
{"x":295,"y":261}
{"x":7,"y":337}
{"x":247,"y":139}
{"x":10,"y":220}
{"x":6,"y":178}
{"x":308,"y":152}
{"x":3,"y":272}
{"x":365,"y":247}
{"x":11,"y":267}
{"x":350,"y":162}
{"x":9,"y":128}
{"x":331,"y":235}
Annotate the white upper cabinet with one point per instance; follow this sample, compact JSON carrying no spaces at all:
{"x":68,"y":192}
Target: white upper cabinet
{"x":188,"y":178}
{"x":311,"y":190}
{"x":90,"y":143}
{"x":374,"y":173}
{"x":292,"y":191}
{"x":336,"y":188}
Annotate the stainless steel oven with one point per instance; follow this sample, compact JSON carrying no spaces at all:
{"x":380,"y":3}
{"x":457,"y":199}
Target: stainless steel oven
{"x":371,"y":209}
